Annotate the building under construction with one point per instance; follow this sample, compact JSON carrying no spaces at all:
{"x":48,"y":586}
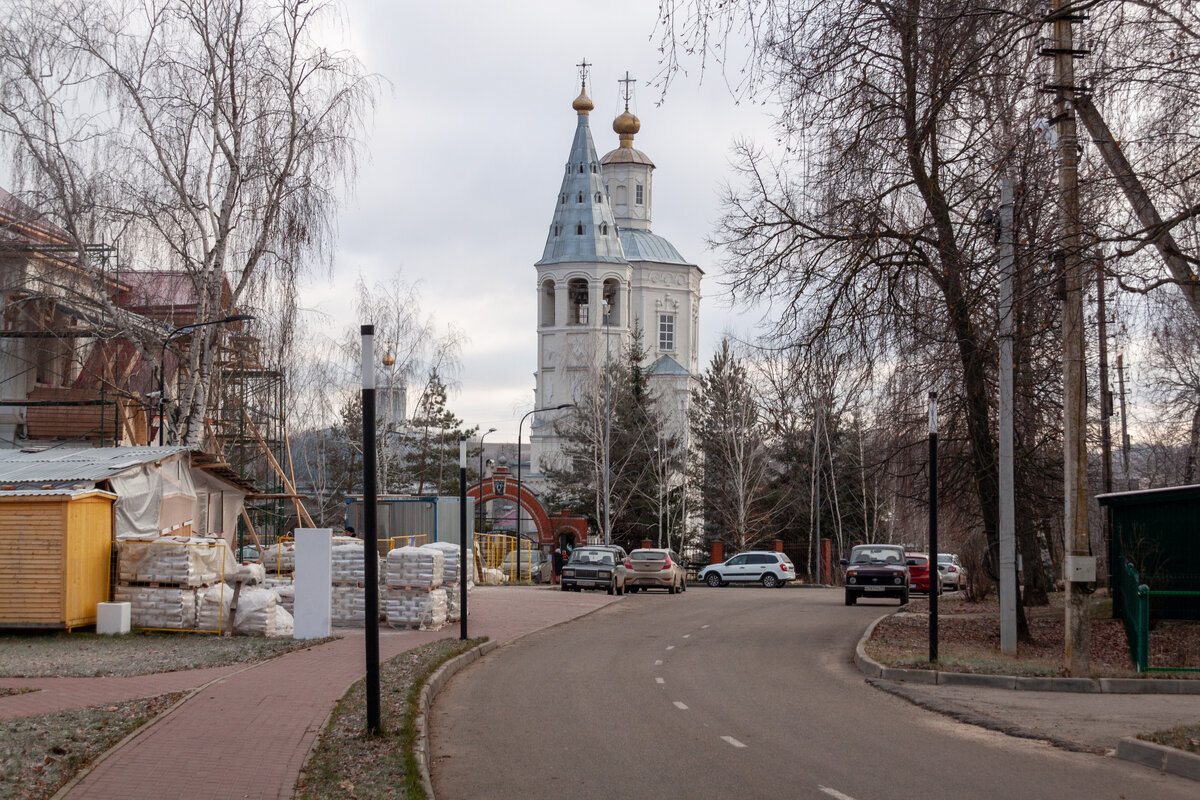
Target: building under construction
{"x":92,"y":354}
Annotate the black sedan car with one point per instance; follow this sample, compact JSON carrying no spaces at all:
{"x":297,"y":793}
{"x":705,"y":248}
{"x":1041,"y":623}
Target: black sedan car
{"x":595,"y":567}
{"x":876,"y":570}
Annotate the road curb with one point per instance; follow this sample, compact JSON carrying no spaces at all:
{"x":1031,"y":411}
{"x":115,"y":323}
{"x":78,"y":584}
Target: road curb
{"x":873,"y":669}
{"x":1160,"y":757}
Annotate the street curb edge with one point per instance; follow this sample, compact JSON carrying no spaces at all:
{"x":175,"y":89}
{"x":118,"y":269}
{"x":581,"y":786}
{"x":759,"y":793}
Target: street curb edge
{"x":1160,"y":757}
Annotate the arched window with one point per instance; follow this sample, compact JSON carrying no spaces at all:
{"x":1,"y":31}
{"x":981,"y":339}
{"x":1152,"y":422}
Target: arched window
{"x":581,"y":169}
{"x":547,"y":303}
{"x":577,"y":298}
{"x":622,"y":196}
{"x":579,"y":198}
{"x":579,"y":229}
{"x":594,"y":170}
{"x":562,"y":199}
{"x":556,"y":229}
{"x":604,"y":228}
{"x":599,"y":198}
{"x":612,"y":302}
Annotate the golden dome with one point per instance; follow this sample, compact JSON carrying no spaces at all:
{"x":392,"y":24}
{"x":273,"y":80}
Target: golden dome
{"x":627,"y":124}
{"x":583,"y":104}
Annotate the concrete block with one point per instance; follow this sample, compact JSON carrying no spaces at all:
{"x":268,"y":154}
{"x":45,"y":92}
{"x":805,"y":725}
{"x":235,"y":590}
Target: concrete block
{"x":1082,"y":685}
{"x":1140,"y":686}
{"x":909,"y":675}
{"x":1139,"y":752}
{"x":970,"y":679}
{"x":112,"y":618}
{"x":1182,"y":763}
{"x":314,"y":576}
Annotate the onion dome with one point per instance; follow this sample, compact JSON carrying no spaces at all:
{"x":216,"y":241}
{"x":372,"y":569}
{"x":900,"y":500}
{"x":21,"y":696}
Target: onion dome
{"x":583,"y":104}
{"x":625,"y":126}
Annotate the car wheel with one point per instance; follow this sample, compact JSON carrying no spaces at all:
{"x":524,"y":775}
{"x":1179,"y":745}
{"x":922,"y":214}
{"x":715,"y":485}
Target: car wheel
{"x":566,"y":588}
{"x":713,"y":580}
{"x":683,"y":585}
{"x":850,"y":599}
{"x":904,"y":598}
{"x":631,"y":589}
{"x":769,"y":581}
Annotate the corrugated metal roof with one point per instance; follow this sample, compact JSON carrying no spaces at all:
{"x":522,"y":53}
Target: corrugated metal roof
{"x":61,"y":464}
{"x":6,"y":493}
{"x":642,"y":245}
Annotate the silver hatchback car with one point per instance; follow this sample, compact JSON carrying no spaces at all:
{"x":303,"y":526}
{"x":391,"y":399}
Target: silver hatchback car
{"x":655,"y":568}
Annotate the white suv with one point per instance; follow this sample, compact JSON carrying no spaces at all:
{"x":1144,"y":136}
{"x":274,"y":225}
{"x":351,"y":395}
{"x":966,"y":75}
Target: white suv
{"x":770,"y":568}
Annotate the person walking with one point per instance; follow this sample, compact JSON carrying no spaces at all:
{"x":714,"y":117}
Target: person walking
{"x":558,"y":563}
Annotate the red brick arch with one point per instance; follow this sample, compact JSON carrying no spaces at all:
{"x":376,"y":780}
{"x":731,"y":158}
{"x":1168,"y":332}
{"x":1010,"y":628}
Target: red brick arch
{"x":503,"y":486}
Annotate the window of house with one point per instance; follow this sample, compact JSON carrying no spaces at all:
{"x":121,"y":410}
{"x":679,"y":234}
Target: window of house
{"x":594,"y":169}
{"x":638,"y":195}
{"x":604,"y":228}
{"x":581,"y":169}
{"x":599,"y":198}
{"x":562,"y":199}
{"x":577,"y":295}
{"x":666,"y":332}
{"x":556,"y":229}
{"x":579,"y":198}
{"x":579,"y":229}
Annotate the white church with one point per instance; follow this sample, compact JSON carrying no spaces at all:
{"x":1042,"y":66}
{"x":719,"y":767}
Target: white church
{"x":605,"y":272}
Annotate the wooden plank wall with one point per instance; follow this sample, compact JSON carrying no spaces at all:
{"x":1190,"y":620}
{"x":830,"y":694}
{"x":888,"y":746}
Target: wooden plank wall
{"x":32,"y":534}
{"x":88,"y":557}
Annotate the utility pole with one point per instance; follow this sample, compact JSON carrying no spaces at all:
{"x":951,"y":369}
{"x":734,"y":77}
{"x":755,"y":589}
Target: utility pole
{"x":1124,"y":426}
{"x":1008,"y":547}
{"x":1077,"y":647}
{"x":1106,"y":410}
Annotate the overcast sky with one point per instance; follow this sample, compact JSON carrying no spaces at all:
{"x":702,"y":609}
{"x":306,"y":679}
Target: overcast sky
{"x":465,"y":160}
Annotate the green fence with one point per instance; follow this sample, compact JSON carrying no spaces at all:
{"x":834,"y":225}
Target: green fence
{"x":1134,"y":609}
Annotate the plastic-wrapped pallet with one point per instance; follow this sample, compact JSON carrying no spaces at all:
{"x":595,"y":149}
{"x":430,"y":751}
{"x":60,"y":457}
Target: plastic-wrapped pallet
{"x":212,"y":607}
{"x":349,"y":605}
{"x":159,"y":607}
{"x":415,"y":567}
{"x":251,"y":574}
{"x":284,"y":623}
{"x":286,"y":589}
{"x":450,"y":567}
{"x":279,"y":558}
{"x":256,"y":613}
{"x":174,"y":560}
{"x":454,"y":603}
{"x":348,"y":565}
{"x":416,"y":608}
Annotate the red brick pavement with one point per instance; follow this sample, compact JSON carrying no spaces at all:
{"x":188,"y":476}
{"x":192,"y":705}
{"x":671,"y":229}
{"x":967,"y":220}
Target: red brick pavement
{"x":246,"y":735}
{"x":59,"y":694}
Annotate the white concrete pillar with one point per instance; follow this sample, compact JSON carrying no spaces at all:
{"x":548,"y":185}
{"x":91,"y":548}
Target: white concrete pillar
{"x":314,"y":579}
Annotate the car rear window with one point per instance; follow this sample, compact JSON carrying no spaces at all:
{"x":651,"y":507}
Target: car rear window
{"x":648,"y":556}
{"x":915,"y":561}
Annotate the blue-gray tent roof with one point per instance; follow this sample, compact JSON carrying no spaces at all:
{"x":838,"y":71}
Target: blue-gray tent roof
{"x":666,"y":365}
{"x":640,"y":245}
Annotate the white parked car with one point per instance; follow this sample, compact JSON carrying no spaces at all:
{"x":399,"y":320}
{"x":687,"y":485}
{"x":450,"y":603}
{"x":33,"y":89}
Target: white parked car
{"x":765,"y":566}
{"x":951,"y":571}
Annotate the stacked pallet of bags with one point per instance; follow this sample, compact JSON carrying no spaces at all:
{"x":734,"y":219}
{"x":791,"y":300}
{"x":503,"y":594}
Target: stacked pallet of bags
{"x":349,"y":601}
{"x":414,"y":597}
{"x":279,"y":559}
{"x":451,"y":575}
{"x":164,"y":578}
{"x":285,"y":588}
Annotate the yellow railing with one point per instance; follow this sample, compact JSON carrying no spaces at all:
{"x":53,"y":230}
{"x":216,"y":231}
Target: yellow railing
{"x":490,"y":550}
{"x":414,"y":540}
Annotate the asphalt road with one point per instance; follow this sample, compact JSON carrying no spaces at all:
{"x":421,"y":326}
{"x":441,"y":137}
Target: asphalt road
{"x":730,"y":693}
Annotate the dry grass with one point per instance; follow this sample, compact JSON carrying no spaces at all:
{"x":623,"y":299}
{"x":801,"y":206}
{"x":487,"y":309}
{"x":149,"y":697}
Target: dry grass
{"x":39,"y":754}
{"x":88,"y":655}
{"x":346,"y":763}
{"x":969,"y":640}
{"x":1185,"y":737}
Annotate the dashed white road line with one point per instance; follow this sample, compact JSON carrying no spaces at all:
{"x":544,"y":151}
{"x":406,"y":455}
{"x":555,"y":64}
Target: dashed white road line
{"x":659,"y":681}
{"x":680,"y":706}
{"x":658,"y":662}
{"x":733,"y":741}
{"x":702,"y":627}
{"x":834,"y":793}
{"x":670,"y":647}
{"x":687,"y":635}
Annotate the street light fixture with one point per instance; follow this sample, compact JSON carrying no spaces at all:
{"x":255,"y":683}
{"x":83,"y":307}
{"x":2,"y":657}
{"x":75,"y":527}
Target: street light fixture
{"x":479,"y":503}
{"x":162,"y":363}
{"x":519,"y":426}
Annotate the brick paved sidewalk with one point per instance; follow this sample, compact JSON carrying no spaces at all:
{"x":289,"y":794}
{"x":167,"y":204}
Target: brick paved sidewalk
{"x":60,"y":694}
{"x":248,"y":733}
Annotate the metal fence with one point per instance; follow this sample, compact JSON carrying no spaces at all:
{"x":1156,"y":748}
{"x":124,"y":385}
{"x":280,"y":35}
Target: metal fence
{"x":1169,"y":653}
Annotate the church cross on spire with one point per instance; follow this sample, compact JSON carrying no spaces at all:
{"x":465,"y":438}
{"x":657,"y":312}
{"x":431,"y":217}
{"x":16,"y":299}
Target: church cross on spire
{"x":583,"y":71}
{"x":625,"y":91}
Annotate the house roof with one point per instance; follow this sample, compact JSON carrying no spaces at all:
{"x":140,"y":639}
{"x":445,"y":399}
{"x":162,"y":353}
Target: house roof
{"x":666,"y":365}
{"x":91,"y":464}
{"x":642,"y":245}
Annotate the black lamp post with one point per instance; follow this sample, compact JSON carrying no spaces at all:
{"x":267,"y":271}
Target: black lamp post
{"x":519,"y":426}
{"x":162,"y":364}
{"x":479,"y":502}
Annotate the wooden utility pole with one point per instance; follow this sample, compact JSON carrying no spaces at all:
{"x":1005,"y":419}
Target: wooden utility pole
{"x":1077,"y":647}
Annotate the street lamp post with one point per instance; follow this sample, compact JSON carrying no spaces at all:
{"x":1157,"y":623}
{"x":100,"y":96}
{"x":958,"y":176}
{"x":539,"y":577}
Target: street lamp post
{"x":607,"y":424}
{"x":519,"y":426}
{"x":162,"y":364}
{"x":479,"y":502}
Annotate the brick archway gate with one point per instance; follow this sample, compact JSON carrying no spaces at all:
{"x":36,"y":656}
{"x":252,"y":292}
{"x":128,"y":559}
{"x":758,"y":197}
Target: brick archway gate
{"x":503,"y":486}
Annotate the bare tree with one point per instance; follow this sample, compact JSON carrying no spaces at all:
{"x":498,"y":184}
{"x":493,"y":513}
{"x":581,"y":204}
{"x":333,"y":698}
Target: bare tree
{"x":207,"y":136}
